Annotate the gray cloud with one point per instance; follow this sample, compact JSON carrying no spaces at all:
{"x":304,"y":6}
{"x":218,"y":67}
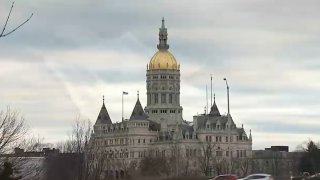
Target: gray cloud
{"x":71,"y":52}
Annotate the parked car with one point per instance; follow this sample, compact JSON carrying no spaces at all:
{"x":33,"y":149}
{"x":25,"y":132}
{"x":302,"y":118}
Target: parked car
{"x":298,"y":178}
{"x":225,"y":177}
{"x":258,"y":177}
{"x":314,"y":177}
{"x":304,"y":176}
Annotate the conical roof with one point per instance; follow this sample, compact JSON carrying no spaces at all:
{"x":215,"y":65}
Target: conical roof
{"x":138,"y":112}
{"x":103,"y":117}
{"x":214,"y":110}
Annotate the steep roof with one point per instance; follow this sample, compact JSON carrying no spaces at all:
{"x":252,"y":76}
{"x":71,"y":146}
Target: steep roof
{"x":214,"y":110}
{"x":138,"y":112}
{"x":103,"y":117}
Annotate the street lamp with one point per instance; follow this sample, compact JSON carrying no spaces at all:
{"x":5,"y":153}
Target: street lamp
{"x":225,"y":79}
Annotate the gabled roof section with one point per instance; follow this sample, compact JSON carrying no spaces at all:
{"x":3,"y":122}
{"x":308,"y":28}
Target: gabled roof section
{"x":214,"y":110}
{"x":138,"y":112}
{"x":103,"y":117}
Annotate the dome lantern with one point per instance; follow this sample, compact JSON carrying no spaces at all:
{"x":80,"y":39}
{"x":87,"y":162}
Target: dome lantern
{"x":163,"y":59}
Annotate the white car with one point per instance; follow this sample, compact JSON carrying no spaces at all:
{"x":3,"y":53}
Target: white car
{"x":258,"y":177}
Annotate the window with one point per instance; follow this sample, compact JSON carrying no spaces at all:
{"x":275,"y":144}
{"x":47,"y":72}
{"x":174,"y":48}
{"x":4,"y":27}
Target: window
{"x":256,"y":177}
{"x":149,"y":99}
{"x":227,"y":139}
{"x":227,"y":153}
{"x":156,"y":98}
{"x":138,"y":140}
{"x":163,"y":153}
{"x":163,"y":98}
{"x":219,"y":153}
{"x":144,"y":141}
{"x":170,"y":98}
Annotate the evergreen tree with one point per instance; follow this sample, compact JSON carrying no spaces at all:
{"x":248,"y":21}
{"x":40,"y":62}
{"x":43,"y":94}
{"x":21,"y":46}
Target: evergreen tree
{"x":7,"y":172}
{"x":310,"y":161}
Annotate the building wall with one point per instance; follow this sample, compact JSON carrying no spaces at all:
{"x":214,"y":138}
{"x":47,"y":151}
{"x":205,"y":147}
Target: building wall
{"x":278,"y":163}
{"x":165,"y":83}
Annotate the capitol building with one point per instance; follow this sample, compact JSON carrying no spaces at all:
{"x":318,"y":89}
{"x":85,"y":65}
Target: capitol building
{"x":211,"y":144}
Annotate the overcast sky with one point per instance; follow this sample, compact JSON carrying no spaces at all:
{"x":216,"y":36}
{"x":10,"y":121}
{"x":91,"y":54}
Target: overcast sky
{"x":72,"y":52}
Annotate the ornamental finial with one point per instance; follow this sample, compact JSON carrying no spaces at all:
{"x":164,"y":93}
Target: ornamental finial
{"x":163,"y":37}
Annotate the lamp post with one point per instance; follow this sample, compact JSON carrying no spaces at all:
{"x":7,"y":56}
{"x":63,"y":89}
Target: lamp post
{"x":123,"y":93}
{"x":225,"y":79}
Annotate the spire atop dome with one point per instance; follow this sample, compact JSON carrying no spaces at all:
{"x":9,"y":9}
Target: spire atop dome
{"x":163,"y":37}
{"x":162,"y":26}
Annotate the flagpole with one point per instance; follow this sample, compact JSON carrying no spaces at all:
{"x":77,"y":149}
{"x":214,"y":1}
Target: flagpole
{"x":207,"y":100}
{"x":225,"y":79}
{"x":122,"y":108}
{"x":211,"y":92}
{"x":123,"y":93}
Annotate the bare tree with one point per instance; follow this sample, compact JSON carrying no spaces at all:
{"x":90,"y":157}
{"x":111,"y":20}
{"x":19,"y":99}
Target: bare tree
{"x":100,"y":162}
{"x":179,"y":165}
{"x":3,"y":33}
{"x":12,"y":129}
{"x":206,"y":158}
{"x":154,"y":164}
{"x":75,"y":146}
{"x":78,"y":138}
{"x":27,"y":167}
{"x":244,"y":164}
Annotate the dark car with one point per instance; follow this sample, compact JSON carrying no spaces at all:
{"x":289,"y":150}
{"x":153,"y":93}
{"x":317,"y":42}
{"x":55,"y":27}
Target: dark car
{"x":315,"y":177}
{"x":298,"y":178}
{"x":304,"y":176}
{"x":225,"y":177}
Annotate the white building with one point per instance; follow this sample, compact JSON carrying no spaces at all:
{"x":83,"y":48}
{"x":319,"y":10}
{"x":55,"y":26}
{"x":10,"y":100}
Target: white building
{"x":159,"y":130}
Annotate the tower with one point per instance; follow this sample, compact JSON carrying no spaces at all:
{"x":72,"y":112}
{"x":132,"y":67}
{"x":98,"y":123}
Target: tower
{"x":163,"y":85}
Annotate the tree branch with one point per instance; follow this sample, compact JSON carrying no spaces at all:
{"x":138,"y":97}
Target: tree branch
{"x":5,"y":25}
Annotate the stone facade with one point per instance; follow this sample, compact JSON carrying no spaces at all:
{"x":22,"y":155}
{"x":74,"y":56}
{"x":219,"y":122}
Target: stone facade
{"x":281,"y":164}
{"x":158,"y":130}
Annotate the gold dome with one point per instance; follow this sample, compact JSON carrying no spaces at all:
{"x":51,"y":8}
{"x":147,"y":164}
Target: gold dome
{"x":163,"y":59}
